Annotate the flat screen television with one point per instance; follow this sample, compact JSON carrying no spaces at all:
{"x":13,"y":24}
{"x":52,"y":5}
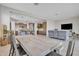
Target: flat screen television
{"x":66,"y":26}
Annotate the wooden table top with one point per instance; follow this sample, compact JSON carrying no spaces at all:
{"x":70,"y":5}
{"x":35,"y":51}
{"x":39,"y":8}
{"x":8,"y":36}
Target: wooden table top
{"x":37,"y":45}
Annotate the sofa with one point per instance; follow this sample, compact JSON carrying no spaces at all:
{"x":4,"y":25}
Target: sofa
{"x":62,"y":35}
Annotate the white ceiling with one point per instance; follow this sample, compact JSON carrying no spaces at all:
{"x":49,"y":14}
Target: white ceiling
{"x":54,"y":11}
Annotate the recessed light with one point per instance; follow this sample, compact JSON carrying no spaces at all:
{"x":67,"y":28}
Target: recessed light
{"x":57,"y":14}
{"x":36,"y":4}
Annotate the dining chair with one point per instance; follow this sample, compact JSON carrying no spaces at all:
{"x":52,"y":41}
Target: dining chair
{"x":69,"y":52}
{"x":13,"y":48}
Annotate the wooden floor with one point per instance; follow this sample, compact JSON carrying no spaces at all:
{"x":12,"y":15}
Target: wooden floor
{"x":4,"y":50}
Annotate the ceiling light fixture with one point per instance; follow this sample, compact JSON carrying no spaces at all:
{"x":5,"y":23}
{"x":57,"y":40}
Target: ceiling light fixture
{"x":36,"y":4}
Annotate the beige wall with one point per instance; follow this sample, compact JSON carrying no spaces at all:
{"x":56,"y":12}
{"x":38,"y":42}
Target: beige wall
{"x":50,"y":25}
{"x":74,"y":21}
{"x":0,"y":13}
{"x":56,"y":24}
{"x":5,"y":15}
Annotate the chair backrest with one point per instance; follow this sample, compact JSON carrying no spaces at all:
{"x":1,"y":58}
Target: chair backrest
{"x":13,"y":43}
{"x":70,"y":48}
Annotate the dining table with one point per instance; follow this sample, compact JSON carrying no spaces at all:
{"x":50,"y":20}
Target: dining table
{"x":37,"y":45}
